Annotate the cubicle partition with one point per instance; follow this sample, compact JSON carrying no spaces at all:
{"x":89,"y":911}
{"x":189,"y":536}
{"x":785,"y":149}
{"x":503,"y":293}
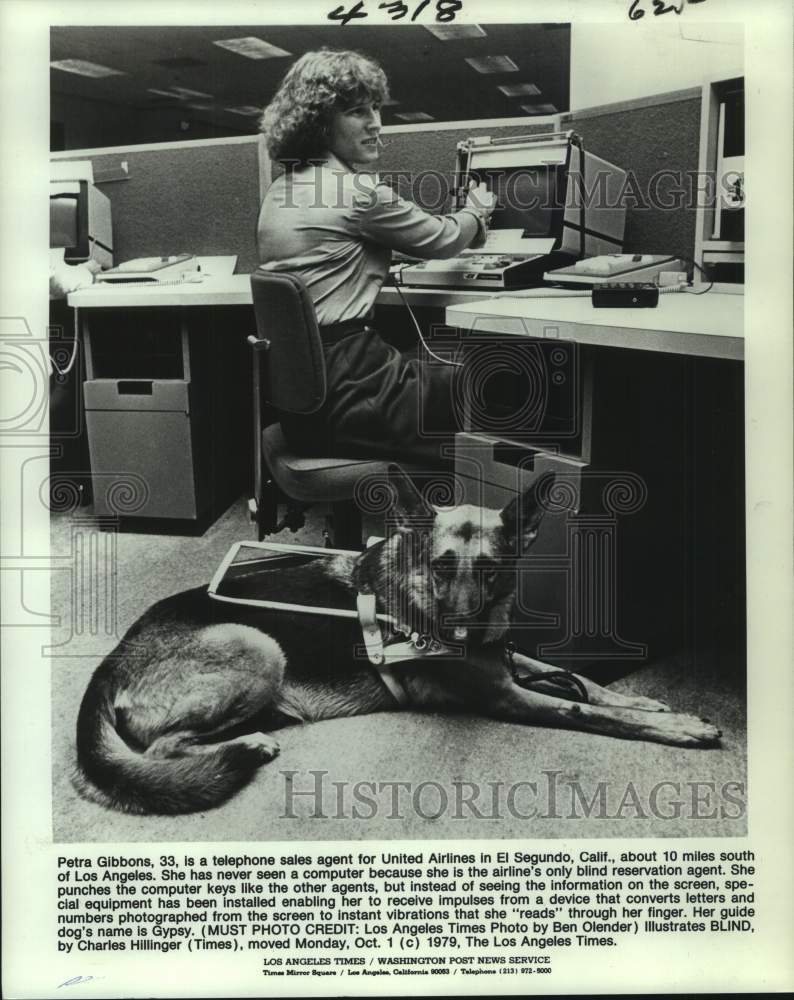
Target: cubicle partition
{"x":655,"y":139}
{"x":197,"y":197}
{"x":203,"y":197}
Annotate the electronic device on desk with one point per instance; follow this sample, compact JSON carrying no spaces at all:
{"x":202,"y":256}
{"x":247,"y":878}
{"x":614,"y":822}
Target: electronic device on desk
{"x":720,"y":219}
{"x":638,"y":268}
{"x":541,"y":220}
{"x":80,"y":221}
{"x":174,"y":269}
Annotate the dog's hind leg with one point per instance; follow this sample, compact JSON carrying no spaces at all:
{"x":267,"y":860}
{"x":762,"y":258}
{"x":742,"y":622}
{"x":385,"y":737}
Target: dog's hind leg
{"x":164,"y":736}
{"x":221,"y":678}
{"x":516,"y":704}
{"x":596,"y":694}
{"x":179,"y":744}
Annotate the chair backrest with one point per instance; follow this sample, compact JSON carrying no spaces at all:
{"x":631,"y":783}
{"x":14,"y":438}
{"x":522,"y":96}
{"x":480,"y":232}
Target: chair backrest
{"x":295,"y":368}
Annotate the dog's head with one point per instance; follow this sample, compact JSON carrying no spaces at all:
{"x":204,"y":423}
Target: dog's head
{"x":452,"y":572}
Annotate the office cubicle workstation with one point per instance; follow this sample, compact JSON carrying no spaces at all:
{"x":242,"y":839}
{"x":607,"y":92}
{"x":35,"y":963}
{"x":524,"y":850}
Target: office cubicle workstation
{"x":637,"y":411}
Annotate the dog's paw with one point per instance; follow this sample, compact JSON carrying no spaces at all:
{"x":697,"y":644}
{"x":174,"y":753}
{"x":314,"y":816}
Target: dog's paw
{"x":691,"y":731}
{"x":263,"y":743}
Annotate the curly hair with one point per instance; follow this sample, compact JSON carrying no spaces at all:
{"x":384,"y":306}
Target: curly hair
{"x":296,"y":122}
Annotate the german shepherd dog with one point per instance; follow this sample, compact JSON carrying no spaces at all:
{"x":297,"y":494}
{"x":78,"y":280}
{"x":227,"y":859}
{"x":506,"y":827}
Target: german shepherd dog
{"x":177,"y":718}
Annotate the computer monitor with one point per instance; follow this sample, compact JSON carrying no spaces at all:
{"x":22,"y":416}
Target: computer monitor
{"x":80,"y":221}
{"x":531,"y":199}
{"x":553,"y":196}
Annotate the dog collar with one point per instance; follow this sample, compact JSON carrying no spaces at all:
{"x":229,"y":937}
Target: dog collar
{"x":384,"y":655}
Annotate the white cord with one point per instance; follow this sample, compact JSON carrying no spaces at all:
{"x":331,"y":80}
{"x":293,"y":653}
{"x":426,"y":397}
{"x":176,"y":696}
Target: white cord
{"x":444,"y":361}
{"x":65,"y":371}
{"x":527,"y":293}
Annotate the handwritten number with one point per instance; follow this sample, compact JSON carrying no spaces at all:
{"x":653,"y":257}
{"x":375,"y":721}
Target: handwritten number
{"x":396,"y":9}
{"x":343,"y":16}
{"x":660,"y":7}
{"x":446,"y":10}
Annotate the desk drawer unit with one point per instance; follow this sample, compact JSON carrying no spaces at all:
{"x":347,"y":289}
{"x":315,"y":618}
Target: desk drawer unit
{"x":566,"y":608}
{"x":142,"y":457}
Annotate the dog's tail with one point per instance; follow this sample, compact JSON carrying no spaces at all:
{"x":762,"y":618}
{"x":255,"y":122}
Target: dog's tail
{"x":113,"y":773}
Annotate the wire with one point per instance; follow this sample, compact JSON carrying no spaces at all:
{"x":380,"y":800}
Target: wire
{"x":62,"y":372}
{"x":690,"y":260}
{"x":444,"y":361}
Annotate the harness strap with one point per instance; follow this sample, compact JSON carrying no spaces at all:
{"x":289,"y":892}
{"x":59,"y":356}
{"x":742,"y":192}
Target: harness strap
{"x":383,"y":656}
{"x":373,"y":643}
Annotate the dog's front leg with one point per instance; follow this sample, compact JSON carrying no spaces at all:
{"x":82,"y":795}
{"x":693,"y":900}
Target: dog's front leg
{"x":596,"y":694}
{"x":516,"y":704}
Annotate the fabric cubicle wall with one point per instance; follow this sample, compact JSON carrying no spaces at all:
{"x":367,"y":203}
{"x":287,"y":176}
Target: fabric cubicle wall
{"x":200,"y":197}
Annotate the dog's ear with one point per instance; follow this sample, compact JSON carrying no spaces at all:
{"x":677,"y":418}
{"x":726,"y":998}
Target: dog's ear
{"x":522,"y":516}
{"x":410,"y":508}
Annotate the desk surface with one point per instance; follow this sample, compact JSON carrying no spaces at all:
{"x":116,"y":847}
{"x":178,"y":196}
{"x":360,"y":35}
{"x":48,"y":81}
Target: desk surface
{"x":710,"y":325}
{"x":232,"y":290}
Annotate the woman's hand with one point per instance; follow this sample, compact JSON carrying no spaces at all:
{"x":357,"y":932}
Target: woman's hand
{"x":480,"y":199}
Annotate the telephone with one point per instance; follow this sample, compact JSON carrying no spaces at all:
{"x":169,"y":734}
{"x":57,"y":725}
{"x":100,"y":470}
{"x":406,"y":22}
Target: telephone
{"x":171,"y":269}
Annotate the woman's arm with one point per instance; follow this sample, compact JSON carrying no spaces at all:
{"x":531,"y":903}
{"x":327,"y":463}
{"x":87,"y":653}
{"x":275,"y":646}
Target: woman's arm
{"x":392,"y":221}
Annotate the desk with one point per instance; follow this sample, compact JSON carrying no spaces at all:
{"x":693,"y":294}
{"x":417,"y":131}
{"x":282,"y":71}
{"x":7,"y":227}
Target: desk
{"x":172,"y":425}
{"x":709,"y":325}
{"x":234,"y":290}
{"x":662,"y":429}
{"x":666,"y":409}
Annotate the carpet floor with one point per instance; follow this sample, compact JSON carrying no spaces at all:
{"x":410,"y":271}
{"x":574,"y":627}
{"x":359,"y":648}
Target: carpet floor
{"x":404,"y":775}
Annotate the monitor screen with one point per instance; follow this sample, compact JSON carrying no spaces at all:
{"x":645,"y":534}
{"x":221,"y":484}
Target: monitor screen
{"x":528,"y":198}
{"x":64,"y":226}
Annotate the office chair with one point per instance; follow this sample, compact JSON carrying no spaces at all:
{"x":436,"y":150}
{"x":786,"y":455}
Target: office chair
{"x":293,"y":380}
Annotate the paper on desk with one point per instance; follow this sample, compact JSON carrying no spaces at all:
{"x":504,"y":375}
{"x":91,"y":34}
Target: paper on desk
{"x":218,"y":267}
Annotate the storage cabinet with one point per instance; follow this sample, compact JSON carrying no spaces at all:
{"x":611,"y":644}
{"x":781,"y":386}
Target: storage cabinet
{"x":641,"y":551}
{"x":165,"y":414}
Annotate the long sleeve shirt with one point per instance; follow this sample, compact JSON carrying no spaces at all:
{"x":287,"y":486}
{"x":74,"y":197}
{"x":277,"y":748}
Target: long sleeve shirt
{"x":336,"y":230}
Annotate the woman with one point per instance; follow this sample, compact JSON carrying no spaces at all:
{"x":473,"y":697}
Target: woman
{"x":335,"y":227}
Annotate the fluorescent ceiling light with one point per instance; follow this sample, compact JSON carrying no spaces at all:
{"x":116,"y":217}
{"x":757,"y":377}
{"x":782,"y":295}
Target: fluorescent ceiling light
{"x":199,"y":105}
{"x":251,"y":47}
{"x":492,"y":64}
{"x":179,"y":93}
{"x":389,"y":103}
{"x":448,"y":34}
{"x":84,"y":68}
{"x":245,"y":109}
{"x":183,"y":92}
{"x":519,"y":89}
{"x":414,"y":116}
{"x":539,"y":109}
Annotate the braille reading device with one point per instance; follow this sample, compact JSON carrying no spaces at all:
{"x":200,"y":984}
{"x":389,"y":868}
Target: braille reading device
{"x":623,"y":295}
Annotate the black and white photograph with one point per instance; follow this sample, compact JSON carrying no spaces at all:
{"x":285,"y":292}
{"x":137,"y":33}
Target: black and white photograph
{"x":391,"y":492}
{"x":500,"y":333}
